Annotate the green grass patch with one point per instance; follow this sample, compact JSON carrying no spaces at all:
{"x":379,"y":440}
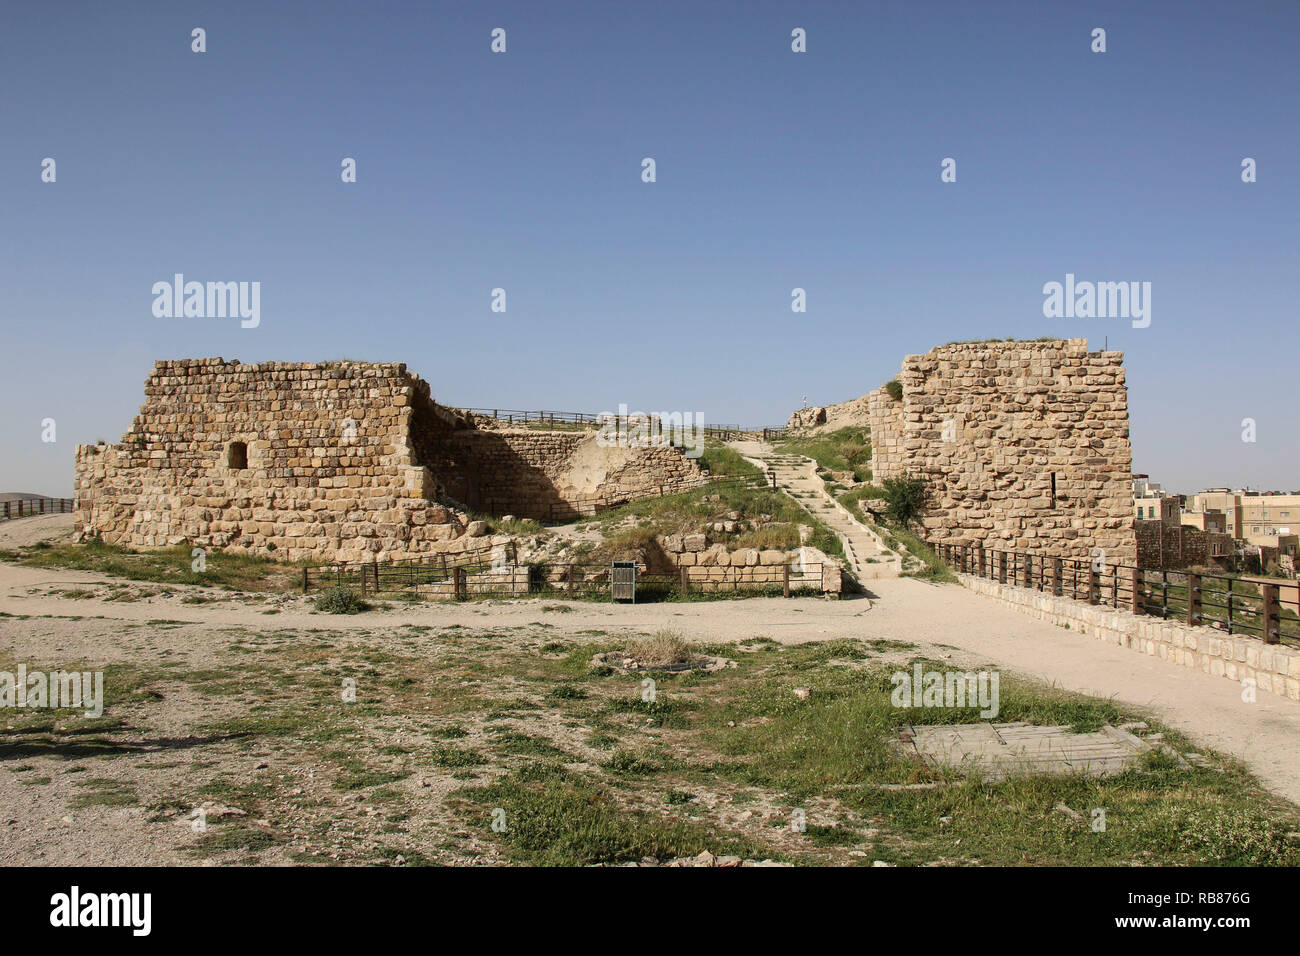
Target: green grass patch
{"x":234,"y":571}
{"x":555,"y":817}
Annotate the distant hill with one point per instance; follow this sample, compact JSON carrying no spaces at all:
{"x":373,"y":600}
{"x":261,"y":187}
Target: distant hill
{"x":15,"y":495}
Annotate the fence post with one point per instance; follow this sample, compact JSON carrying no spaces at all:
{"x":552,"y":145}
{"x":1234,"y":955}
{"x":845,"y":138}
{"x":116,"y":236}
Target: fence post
{"x":983,"y":566}
{"x":1094,"y":584}
{"x":459,"y":574}
{"x":1056,"y":576}
{"x":686,"y":580}
{"x":1136,"y":584}
{"x":1193,"y":599}
{"x":571,"y":580}
{"x":1271,"y":628}
{"x":1002,"y":567}
{"x":305,"y":584}
{"x":785,"y":580}
{"x":1026,"y":571}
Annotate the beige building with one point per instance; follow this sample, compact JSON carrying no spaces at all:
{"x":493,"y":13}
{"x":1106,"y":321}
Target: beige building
{"x":1162,"y":508}
{"x":1252,"y":515}
{"x":1212,"y":521}
{"x":1220,"y":499}
{"x":1152,"y":503}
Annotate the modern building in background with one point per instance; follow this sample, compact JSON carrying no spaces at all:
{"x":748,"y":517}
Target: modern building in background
{"x":1152,"y":503}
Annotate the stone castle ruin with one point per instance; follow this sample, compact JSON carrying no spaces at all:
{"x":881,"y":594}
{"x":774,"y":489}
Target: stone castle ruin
{"x":339,"y":461}
{"x":1024,"y":446}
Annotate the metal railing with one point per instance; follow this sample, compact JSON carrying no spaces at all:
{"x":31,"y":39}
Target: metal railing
{"x":1254,"y":608}
{"x":515,"y":416}
{"x":22,"y":507}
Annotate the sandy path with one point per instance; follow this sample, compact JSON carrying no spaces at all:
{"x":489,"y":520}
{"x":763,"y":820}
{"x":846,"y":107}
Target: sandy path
{"x":977,"y":629}
{"x":21,"y":532}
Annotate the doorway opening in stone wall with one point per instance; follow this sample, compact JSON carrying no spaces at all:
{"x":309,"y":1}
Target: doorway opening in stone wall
{"x":237,"y":455}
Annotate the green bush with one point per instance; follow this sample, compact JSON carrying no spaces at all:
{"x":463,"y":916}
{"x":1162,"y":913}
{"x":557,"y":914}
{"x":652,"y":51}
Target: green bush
{"x":341,"y":601}
{"x":905,"y":498}
{"x":894,"y":389}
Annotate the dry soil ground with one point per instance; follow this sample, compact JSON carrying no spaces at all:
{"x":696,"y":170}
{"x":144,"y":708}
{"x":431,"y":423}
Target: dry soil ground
{"x":233,"y":705}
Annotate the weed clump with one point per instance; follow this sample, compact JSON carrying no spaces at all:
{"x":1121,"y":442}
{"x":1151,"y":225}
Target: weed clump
{"x":661,"y":649}
{"x":341,"y":601}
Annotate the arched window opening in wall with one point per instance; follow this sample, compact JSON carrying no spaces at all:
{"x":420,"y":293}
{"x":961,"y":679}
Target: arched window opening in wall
{"x":237,"y":455}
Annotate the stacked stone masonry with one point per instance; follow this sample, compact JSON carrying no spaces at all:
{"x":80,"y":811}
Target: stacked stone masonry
{"x":1024,"y":446}
{"x":334,"y":461}
{"x":1163,"y":545}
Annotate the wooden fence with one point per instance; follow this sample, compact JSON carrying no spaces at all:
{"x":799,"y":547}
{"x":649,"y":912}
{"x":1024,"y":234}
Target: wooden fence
{"x":1255,"y":608}
{"x":22,"y":507}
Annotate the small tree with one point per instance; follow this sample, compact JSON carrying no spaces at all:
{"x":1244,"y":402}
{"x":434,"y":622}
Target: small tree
{"x":905,"y":498}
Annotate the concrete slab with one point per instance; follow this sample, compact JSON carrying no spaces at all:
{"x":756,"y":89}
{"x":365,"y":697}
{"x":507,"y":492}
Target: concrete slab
{"x":997,"y":751}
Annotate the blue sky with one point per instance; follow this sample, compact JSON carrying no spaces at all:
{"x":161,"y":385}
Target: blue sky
{"x":775,"y":170}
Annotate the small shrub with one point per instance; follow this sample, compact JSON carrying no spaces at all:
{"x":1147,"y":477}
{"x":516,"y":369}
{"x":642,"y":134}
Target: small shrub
{"x":627,"y":763}
{"x":905,"y":498}
{"x":341,"y":601}
{"x":894,"y":389}
{"x":662,"y":649}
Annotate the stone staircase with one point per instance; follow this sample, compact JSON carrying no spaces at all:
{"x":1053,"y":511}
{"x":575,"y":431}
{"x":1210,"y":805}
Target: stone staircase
{"x":868,"y":557}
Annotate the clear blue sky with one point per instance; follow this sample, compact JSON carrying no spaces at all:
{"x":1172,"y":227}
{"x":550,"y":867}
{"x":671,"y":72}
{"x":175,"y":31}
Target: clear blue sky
{"x":775,"y":170}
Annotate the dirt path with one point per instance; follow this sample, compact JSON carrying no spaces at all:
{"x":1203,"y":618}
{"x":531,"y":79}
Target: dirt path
{"x":868,"y":557}
{"x":943,"y":619}
{"x":22,"y":532}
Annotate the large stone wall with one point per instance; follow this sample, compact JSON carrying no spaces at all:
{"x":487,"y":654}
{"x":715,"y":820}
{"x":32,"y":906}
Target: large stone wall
{"x":1024,"y":445}
{"x":552,"y":475}
{"x":1164,"y":545}
{"x":329,"y":471}
{"x":334,"y":461}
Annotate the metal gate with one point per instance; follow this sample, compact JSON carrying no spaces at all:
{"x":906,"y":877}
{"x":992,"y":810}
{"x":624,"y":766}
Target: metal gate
{"x":622,"y":581}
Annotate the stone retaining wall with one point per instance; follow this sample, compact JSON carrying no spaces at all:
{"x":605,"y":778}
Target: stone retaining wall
{"x":1274,"y":667}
